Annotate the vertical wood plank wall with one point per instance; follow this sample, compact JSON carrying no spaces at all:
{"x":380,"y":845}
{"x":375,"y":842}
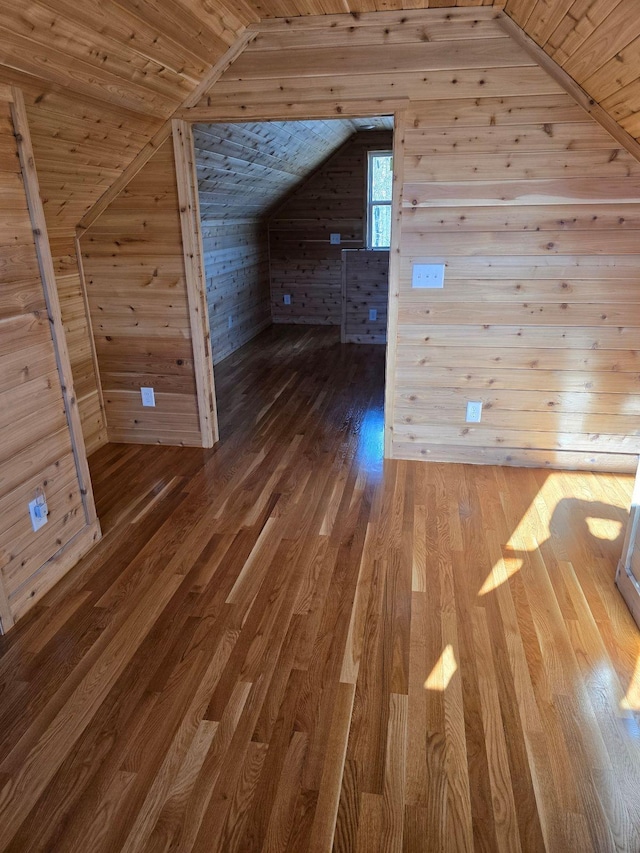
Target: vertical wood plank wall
{"x":365,"y":285}
{"x":533,"y":207}
{"x":303,"y":262}
{"x":36,"y":445}
{"x":236,"y":257}
{"x":135,"y":278}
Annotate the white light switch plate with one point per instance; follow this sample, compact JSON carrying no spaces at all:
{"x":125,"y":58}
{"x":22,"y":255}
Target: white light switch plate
{"x":427,"y":275}
{"x":334,"y":239}
{"x":287,"y":299}
{"x":148,"y":397}
{"x":373,"y":315}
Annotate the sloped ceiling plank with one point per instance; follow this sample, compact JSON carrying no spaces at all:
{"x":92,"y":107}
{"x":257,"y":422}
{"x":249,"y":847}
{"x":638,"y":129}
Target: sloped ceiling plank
{"x":140,"y":54}
{"x":244,"y":169}
{"x":596,"y":42}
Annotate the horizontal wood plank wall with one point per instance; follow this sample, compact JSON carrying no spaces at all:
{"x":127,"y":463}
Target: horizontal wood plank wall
{"x":36,"y":446}
{"x":304,"y":264}
{"x":135,"y":277}
{"x":531,"y":205}
{"x":365,"y":285}
{"x":236,"y":257}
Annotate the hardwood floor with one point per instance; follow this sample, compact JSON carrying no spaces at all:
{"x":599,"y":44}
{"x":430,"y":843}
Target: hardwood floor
{"x":284,"y":644}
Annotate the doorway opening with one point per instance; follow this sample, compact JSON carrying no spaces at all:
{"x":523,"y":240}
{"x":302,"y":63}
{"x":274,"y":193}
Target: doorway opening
{"x":296,"y":227}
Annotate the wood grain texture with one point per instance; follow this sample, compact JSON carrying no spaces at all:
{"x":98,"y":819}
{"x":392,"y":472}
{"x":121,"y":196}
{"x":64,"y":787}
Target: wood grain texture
{"x":41,"y":437}
{"x":133,"y":258}
{"x":506,"y":182}
{"x":236,"y":257}
{"x":285,"y":643}
{"x":303,"y":263}
{"x":100,"y":82}
{"x":246,"y":169}
{"x":365,"y":286}
{"x":594,"y":43}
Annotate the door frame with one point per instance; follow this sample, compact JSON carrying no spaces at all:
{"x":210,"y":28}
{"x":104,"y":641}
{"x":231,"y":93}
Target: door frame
{"x":318,"y":110}
{"x":626,"y":581}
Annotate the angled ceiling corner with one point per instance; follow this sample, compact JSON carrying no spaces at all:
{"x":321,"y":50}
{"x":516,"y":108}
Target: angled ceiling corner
{"x":245,"y":38}
{"x":592,"y":50}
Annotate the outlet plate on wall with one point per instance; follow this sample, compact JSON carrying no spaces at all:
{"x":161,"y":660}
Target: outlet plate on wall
{"x":287,"y":299}
{"x":334,"y":239}
{"x":474,"y":412}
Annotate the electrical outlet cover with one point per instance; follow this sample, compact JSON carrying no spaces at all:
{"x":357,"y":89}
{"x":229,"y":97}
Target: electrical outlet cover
{"x":38,"y":513}
{"x":373,"y":315}
{"x":287,"y":299}
{"x":334,"y":239}
{"x":474,"y":412}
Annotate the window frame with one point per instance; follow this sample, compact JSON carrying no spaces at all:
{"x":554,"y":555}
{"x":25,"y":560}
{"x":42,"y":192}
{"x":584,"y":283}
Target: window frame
{"x":371,"y":202}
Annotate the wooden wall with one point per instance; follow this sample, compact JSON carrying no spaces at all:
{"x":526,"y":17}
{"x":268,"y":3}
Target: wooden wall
{"x":39,"y":449}
{"x":531,"y":205}
{"x":138,"y":299}
{"x":236,"y":257}
{"x":303,"y":262}
{"x":365,"y":285}
{"x":99,"y":78}
{"x":80,"y":145}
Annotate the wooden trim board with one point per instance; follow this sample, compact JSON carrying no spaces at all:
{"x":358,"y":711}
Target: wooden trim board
{"x":321,"y":109}
{"x":343,"y":320}
{"x":92,"y":340}
{"x":399,"y":124}
{"x":45,"y":261}
{"x":187,"y":181}
{"x":625,"y":580}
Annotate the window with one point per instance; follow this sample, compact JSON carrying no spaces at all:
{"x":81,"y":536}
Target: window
{"x":379,"y":187}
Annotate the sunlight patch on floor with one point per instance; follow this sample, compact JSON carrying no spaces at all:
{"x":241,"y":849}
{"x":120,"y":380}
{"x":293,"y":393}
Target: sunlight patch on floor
{"x":604,"y":528}
{"x":536,"y":525}
{"x":500,"y":573}
{"x":631,"y":701}
{"x":443,"y":671}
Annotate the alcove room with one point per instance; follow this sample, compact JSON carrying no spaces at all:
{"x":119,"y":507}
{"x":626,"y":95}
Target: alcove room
{"x":319,"y":367}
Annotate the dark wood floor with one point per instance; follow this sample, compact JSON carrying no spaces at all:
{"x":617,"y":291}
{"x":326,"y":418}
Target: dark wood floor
{"x":284,"y":644}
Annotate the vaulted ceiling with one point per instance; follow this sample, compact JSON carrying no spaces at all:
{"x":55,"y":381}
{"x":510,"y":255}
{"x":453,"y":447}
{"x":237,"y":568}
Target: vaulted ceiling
{"x":100,"y":76}
{"x":245,"y":169}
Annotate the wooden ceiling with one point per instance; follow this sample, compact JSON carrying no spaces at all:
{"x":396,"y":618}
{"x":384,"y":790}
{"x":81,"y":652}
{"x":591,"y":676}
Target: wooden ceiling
{"x":246,"y":169}
{"x":148,"y":55}
{"x":100,"y":76}
{"x":597,"y":42}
